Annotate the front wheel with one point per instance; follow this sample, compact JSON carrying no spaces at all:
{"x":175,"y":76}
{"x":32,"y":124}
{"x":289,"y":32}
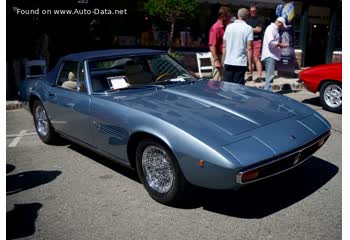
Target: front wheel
{"x":160,"y":174}
{"x":42,"y":124}
{"x":331,"y":96}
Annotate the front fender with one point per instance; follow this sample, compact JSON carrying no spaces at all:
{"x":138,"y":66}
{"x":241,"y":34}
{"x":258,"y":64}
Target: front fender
{"x":218,"y":171}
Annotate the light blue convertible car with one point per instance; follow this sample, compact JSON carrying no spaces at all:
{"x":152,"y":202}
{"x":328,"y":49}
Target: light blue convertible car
{"x":141,"y":108}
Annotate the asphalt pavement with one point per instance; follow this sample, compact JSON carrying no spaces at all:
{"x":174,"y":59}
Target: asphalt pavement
{"x":67,"y":192}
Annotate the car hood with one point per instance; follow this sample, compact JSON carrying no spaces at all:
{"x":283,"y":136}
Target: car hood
{"x":215,"y":108}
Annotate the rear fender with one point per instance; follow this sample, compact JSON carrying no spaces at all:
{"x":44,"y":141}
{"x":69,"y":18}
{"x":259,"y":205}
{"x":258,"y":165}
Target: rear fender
{"x":26,"y":87}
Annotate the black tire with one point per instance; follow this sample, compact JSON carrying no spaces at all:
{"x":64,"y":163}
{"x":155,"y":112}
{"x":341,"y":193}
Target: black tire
{"x":323,"y":96}
{"x":179,"y":191}
{"x":50,"y":136}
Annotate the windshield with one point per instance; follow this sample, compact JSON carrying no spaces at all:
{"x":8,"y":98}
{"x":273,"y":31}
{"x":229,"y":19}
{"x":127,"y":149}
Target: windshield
{"x":115,"y":74}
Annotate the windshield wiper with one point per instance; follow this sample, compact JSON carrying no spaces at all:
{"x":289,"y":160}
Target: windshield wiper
{"x":137,"y":86}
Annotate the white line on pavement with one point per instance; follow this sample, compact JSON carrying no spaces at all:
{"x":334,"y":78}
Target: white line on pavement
{"x":18,"y":135}
{"x":17,"y":139}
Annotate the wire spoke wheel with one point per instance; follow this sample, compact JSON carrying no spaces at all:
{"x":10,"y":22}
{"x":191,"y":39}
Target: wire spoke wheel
{"x":158,"y":169}
{"x":160,"y":173}
{"x":41,"y":120}
{"x":42,"y":124}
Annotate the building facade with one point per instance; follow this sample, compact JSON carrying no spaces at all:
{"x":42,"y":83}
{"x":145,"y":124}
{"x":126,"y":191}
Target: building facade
{"x":318,"y":26}
{"x":318,"y":29}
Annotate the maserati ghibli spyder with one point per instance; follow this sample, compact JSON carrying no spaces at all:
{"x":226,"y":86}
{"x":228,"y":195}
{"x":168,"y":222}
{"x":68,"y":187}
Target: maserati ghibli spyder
{"x":141,"y":108}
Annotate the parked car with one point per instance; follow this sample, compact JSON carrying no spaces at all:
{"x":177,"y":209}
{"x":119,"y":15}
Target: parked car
{"x":326,"y":79}
{"x":142,"y":109}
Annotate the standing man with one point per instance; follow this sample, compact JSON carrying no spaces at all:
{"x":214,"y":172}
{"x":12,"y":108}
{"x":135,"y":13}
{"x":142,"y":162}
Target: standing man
{"x":257,"y":23}
{"x":216,"y":34}
{"x":237,"y":48}
{"x":271,"y":51}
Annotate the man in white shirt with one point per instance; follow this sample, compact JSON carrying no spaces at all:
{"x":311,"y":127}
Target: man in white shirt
{"x":271,"y":51}
{"x":237,"y":48}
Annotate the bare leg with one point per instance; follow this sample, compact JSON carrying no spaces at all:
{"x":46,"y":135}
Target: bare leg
{"x":250,"y":73}
{"x":258,"y":65}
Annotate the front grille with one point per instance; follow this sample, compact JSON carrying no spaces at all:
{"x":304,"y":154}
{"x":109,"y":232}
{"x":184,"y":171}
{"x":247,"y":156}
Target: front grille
{"x":284,"y":162}
{"x":280,"y":166}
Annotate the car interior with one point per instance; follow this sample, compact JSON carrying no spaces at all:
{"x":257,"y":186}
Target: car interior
{"x":71,"y":82}
{"x":68,"y":77}
{"x":125,"y":72}
{"x":131,"y":73}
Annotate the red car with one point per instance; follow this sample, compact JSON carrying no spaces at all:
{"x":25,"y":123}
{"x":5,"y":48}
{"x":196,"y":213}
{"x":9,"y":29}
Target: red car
{"x":326,"y":79}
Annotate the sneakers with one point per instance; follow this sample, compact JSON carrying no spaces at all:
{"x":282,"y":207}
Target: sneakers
{"x":259,"y":80}
{"x":250,"y":78}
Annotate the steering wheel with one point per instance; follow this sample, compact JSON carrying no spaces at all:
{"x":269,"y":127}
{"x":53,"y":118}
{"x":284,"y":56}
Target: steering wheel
{"x":163,"y":75}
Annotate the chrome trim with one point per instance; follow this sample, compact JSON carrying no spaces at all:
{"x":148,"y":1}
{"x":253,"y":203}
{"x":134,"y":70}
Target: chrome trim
{"x":240,"y":174}
{"x":87,"y":78}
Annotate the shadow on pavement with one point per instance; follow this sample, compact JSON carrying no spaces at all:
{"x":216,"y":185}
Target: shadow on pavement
{"x":115,"y":166}
{"x":316,"y":102}
{"x":264,"y":198}
{"x":313,"y":101}
{"x":26,"y":180}
{"x":257,"y":200}
{"x":286,"y":89}
{"x":9,"y":168}
{"x":60,"y":141}
{"x":20,"y":222}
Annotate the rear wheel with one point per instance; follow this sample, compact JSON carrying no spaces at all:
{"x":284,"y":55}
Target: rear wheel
{"x":160,"y":174}
{"x":331,"y":96}
{"x":42,"y":124}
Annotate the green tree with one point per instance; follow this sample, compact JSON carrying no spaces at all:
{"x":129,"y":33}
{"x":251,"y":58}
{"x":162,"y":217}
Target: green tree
{"x":171,"y":10}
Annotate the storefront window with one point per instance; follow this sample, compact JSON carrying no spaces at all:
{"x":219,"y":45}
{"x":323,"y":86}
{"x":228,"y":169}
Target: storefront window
{"x":338,"y":34}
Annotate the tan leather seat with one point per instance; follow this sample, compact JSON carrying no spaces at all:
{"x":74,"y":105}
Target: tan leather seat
{"x":136,"y":74}
{"x":71,"y":83}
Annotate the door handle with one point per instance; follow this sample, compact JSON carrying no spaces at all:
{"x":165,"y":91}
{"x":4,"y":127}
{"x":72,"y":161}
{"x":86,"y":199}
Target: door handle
{"x":51,"y":94}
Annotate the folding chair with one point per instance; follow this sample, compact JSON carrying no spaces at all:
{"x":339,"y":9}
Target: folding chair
{"x":35,"y":63}
{"x":201,"y":67}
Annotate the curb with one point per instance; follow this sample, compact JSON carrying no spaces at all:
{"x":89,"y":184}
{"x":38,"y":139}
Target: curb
{"x":288,"y":87}
{"x":280,"y":87}
{"x":13,"y":105}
